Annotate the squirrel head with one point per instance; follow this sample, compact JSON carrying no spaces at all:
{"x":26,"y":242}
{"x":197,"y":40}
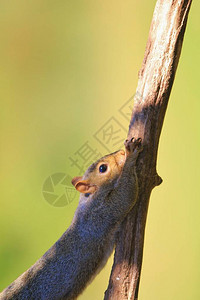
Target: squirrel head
{"x":102,"y":171}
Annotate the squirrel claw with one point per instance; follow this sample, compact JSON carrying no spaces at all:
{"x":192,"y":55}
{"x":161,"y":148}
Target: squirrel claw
{"x":128,"y":141}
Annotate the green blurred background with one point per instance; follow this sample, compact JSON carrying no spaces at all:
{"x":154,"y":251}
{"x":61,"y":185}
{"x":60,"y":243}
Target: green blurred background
{"x":67,"y":67}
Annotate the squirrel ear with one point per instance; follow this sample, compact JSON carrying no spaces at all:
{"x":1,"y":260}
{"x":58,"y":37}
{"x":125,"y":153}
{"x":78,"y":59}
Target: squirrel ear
{"x":83,"y":186}
{"x":75,"y":180}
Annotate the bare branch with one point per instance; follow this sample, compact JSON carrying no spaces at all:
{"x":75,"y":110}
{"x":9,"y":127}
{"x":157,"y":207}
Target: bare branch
{"x":154,"y":86}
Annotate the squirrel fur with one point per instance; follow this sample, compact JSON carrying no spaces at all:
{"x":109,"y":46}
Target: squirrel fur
{"x":108,"y":190}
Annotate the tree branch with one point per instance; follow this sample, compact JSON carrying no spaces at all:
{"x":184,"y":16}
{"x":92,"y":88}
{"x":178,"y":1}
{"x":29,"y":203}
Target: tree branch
{"x":154,"y":86}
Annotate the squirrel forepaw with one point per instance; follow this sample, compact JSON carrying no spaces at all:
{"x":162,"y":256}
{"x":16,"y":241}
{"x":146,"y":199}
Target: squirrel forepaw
{"x":133,"y":148}
{"x":132,"y":144}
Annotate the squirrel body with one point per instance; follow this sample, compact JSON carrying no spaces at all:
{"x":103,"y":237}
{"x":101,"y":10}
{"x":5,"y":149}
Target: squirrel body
{"x":108,"y":191}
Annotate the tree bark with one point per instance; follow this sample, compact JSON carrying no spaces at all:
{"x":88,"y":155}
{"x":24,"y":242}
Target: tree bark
{"x":154,"y":86}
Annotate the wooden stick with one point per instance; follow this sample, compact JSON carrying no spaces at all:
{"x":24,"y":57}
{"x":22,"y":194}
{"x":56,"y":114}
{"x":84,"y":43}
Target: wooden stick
{"x":154,"y":86}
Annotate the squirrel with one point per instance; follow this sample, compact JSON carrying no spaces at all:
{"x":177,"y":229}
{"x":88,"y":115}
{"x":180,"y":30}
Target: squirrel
{"x":109,"y":189}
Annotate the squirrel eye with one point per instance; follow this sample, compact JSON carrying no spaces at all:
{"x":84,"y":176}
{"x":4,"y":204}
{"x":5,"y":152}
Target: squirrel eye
{"x":103,"y":168}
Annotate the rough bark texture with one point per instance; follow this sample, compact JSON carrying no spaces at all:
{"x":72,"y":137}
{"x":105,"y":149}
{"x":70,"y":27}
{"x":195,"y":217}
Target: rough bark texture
{"x":154,"y":86}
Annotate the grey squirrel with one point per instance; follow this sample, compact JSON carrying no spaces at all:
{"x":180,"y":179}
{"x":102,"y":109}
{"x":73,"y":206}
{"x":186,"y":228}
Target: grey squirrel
{"x":108,"y":190}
